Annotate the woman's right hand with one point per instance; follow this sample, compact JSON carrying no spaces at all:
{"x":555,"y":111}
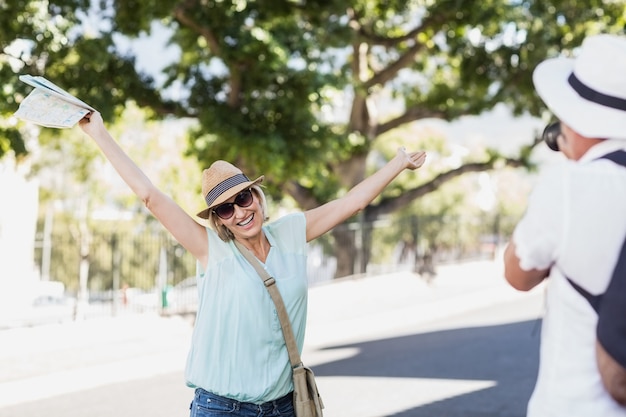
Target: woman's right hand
{"x":92,"y":123}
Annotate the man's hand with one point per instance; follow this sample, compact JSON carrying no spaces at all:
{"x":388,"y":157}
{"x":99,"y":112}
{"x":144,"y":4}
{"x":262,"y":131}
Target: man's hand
{"x":613,"y":375}
{"x":519,"y":278}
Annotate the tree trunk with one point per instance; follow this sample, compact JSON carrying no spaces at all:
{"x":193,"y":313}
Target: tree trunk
{"x":366,"y":246}
{"x":345,"y":251}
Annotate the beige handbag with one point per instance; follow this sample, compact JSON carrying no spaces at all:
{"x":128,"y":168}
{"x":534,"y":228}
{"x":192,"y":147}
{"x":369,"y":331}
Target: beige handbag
{"x":306,"y":398}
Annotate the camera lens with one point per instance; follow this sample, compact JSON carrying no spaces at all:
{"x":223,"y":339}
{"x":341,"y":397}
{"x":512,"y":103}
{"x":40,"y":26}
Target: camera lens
{"x":550,"y":134}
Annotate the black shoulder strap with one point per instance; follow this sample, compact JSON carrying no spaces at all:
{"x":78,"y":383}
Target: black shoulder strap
{"x":611,"y":329}
{"x":619,"y":157}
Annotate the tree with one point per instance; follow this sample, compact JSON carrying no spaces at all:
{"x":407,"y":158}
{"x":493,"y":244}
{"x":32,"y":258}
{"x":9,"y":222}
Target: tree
{"x":266,"y":79}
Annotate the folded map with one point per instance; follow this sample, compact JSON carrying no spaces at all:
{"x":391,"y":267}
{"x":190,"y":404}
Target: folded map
{"x":50,"y":106}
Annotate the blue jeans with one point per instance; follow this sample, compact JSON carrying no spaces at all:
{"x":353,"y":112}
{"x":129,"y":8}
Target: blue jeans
{"x":206,"y":404}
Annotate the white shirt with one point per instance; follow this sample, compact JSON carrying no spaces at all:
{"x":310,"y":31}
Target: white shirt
{"x":576,"y":223}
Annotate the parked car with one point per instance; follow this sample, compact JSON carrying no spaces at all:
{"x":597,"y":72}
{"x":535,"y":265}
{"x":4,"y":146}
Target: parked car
{"x":42,"y":309}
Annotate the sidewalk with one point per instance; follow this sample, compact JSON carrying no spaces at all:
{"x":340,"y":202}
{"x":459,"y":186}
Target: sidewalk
{"x":50,"y":360}
{"x":46,"y":361}
{"x":366,"y":308}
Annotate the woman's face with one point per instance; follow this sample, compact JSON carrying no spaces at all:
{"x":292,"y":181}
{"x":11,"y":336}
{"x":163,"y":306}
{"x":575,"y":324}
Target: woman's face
{"x":241,"y":214}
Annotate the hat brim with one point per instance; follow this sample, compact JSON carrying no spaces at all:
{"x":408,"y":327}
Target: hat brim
{"x":584,"y":117}
{"x":204,"y":214}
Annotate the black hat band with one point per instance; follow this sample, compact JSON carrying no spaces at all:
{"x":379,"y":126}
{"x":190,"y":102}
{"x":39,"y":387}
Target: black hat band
{"x":596,"y":96}
{"x":224,"y":186}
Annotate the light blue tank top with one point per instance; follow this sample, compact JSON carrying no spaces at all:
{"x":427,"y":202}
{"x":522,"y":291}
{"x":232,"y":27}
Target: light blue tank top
{"x":237,"y":349}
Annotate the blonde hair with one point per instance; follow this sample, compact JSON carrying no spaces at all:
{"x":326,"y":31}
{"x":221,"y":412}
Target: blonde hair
{"x":222,"y":231}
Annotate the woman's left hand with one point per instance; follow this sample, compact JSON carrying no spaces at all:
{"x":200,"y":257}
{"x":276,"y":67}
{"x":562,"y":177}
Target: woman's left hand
{"x":412,"y":160}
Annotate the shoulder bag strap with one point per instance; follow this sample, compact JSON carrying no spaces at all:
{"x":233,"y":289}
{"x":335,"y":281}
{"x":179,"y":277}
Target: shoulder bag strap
{"x":618,"y":157}
{"x":285,"y":324}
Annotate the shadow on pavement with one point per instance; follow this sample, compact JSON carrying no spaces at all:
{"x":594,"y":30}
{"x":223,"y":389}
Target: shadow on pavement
{"x":507,"y":354}
{"x":163,"y":395}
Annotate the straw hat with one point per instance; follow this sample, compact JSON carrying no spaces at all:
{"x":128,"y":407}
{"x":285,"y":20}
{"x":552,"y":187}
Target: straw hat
{"x":588,"y":93}
{"x":220,"y":182}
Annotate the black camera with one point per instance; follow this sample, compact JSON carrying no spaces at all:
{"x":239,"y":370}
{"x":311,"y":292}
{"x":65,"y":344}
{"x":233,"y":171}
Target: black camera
{"x":550,"y":134}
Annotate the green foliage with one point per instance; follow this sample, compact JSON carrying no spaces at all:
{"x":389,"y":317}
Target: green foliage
{"x":254,"y":72}
{"x":287,"y":88}
{"x":12,"y":141}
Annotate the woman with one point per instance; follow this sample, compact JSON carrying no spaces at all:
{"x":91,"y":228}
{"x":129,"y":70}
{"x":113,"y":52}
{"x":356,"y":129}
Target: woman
{"x":238,"y":360}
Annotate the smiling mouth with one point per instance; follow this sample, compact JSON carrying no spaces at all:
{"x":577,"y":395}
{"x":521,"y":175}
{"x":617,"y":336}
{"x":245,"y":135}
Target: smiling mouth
{"x":247,"y":221}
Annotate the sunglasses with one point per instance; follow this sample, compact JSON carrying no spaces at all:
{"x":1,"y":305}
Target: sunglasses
{"x":225,"y":211}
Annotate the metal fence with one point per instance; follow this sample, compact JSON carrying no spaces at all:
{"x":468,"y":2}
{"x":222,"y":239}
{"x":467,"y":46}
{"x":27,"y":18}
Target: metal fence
{"x":149,"y":271}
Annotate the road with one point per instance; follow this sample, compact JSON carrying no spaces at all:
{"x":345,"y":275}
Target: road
{"x":384,"y":346}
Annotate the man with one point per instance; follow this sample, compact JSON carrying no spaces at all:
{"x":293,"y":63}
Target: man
{"x":572,"y":233}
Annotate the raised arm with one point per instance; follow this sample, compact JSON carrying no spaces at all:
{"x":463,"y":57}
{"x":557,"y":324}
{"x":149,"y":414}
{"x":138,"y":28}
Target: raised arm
{"x":189,"y":233}
{"x":323,"y":218}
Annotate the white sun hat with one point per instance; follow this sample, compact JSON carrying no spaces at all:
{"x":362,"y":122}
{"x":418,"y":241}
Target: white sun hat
{"x":588,"y":93}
